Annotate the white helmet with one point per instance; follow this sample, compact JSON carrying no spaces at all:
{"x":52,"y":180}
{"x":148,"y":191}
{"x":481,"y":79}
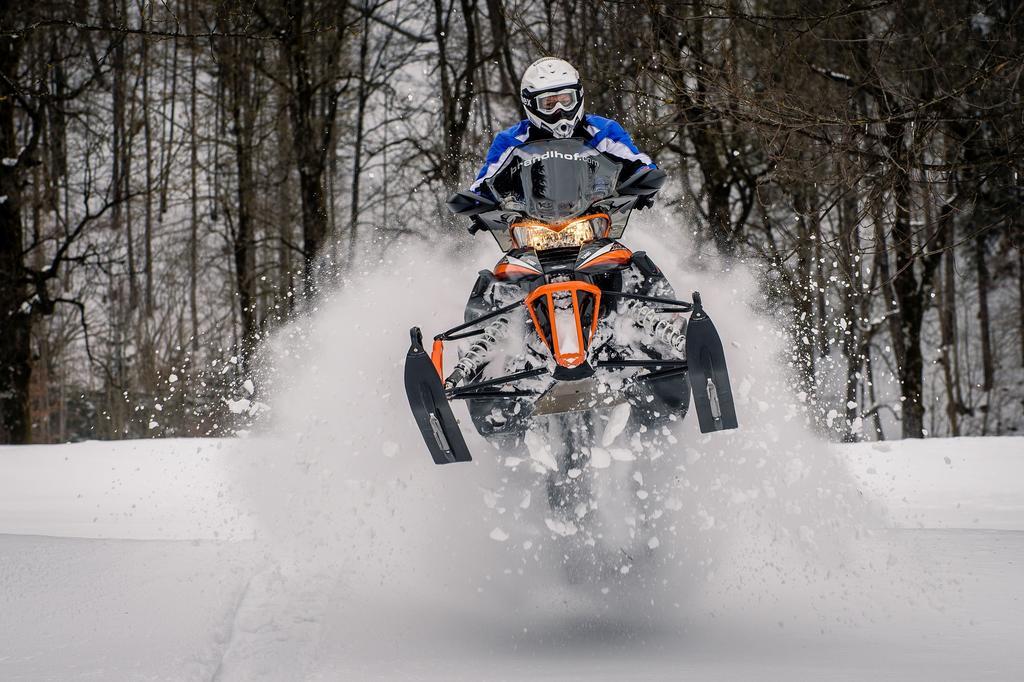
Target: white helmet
{"x":553,"y":96}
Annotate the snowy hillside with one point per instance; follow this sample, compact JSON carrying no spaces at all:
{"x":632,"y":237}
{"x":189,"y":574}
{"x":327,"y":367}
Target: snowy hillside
{"x":132,"y":561}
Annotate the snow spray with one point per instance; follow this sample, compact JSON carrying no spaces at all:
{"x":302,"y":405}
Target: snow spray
{"x":403,"y":550}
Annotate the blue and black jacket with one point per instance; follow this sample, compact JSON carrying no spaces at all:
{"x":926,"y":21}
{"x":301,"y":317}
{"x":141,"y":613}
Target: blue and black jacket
{"x":603,"y":134}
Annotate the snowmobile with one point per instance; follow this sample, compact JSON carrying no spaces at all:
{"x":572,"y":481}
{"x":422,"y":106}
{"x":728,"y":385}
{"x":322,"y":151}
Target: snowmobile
{"x":570,"y":321}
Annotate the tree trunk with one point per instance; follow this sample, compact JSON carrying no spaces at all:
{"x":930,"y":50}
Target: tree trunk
{"x":984,"y":284}
{"x":907,"y":292}
{"x":869,"y":369}
{"x":849,"y":243}
{"x":147,"y":130}
{"x":820,"y":327}
{"x":193,"y":244}
{"x":285,"y":197}
{"x":15,"y":320}
{"x":357,"y":150}
{"x":144,"y":331}
{"x":804,"y":337}
{"x":502,"y":45}
{"x":15,"y":343}
{"x":696,"y":119}
{"x":244,"y":248}
{"x":947,"y":325}
{"x":314,"y":223}
{"x":312,"y":101}
{"x":457,"y":90}
{"x":1020,"y":297}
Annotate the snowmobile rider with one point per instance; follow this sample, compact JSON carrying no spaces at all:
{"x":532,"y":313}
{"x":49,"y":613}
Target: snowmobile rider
{"x":552,"y":95}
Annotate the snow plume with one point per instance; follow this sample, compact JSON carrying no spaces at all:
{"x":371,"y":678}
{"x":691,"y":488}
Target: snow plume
{"x":468,"y":558}
{"x":769,"y":503}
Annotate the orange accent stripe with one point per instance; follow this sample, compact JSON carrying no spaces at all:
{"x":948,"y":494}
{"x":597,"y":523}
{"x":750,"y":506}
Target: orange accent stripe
{"x":618,"y":257}
{"x":437,"y":357}
{"x":505,"y":270}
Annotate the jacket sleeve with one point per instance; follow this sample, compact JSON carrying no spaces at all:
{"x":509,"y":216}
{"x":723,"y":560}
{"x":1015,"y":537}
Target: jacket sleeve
{"x":502,"y":146}
{"x":617,"y":142}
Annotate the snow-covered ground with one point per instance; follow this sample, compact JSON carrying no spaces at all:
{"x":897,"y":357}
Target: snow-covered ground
{"x":132,"y":561}
{"x":332,"y":548}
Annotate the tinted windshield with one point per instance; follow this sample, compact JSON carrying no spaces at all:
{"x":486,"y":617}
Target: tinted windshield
{"x":554,"y":180}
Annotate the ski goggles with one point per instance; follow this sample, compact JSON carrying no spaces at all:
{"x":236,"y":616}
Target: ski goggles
{"x":550,"y":102}
{"x":575,"y":232}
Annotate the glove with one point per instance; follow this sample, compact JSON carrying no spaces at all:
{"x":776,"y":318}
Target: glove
{"x":643,"y":202}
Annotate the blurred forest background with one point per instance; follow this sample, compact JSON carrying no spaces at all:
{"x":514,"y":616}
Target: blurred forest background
{"x":180,"y":178}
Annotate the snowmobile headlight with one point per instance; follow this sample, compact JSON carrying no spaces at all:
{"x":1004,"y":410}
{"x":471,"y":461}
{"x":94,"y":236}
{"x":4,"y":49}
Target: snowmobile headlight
{"x":576,"y":232}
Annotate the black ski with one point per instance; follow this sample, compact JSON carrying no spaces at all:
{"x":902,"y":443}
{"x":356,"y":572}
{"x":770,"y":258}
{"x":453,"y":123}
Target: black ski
{"x":709,"y":376}
{"x":429,"y":405}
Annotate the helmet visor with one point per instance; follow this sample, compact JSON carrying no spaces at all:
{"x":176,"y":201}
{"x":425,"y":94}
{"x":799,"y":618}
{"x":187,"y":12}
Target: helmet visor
{"x":550,"y":102}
